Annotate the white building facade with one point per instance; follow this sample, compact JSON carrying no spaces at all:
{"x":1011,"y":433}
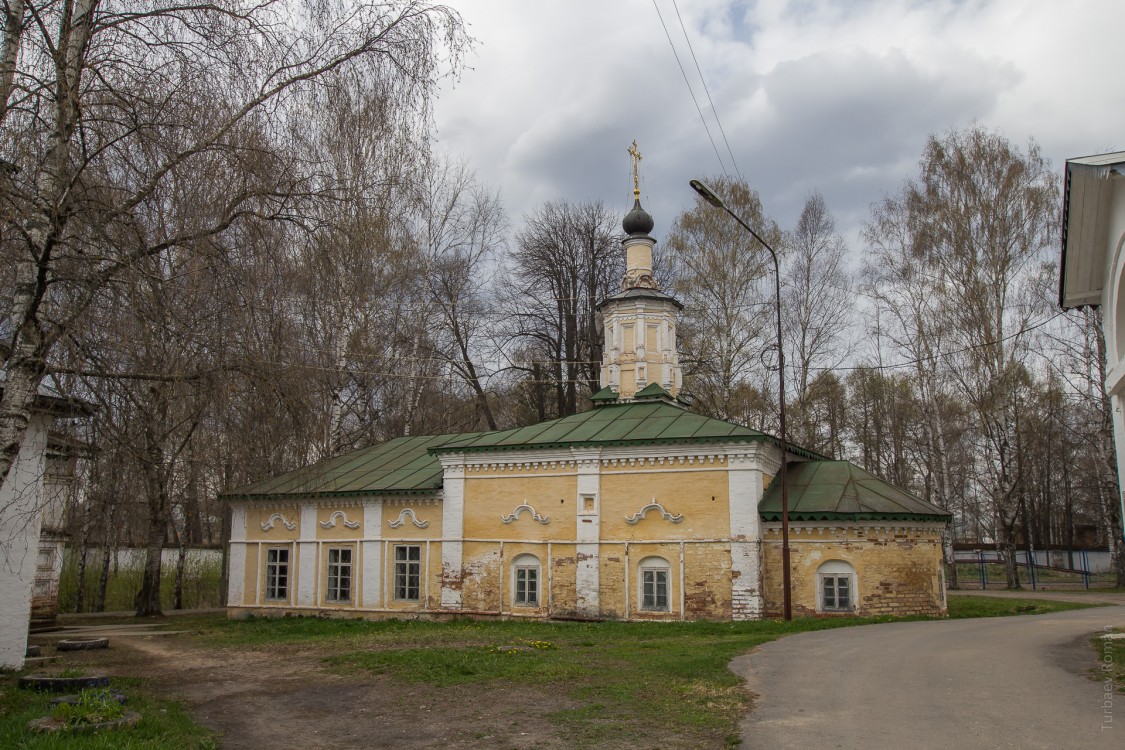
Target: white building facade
{"x":1093,"y":273}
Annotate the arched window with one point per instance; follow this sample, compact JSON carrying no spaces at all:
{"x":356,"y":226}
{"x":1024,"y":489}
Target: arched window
{"x":836,"y":587}
{"x":654,"y":590}
{"x":525,"y":581}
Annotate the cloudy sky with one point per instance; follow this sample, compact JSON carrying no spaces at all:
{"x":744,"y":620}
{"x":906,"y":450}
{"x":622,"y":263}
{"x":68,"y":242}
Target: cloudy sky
{"x":812,"y":94}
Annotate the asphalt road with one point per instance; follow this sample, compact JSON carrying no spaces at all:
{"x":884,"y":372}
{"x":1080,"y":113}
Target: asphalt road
{"x":1003,"y":682}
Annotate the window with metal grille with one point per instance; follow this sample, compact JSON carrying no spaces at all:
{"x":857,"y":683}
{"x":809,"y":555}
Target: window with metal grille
{"x":339,"y":587}
{"x":408,"y":572}
{"x":277,"y":573}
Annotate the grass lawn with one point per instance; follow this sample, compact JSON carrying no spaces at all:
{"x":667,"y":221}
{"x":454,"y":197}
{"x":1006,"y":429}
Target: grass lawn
{"x":612,"y":677}
{"x":988,"y":606}
{"x":164,"y":724}
{"x":1110,"y":655}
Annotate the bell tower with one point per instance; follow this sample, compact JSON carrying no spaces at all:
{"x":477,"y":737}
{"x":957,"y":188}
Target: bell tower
{"x":640,"y":320}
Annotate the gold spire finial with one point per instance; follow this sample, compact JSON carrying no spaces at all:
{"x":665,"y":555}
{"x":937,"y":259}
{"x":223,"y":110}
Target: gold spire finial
{"x":636,"y":177}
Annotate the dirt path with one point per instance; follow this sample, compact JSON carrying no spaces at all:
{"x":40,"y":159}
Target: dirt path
{"x":284,"y":698}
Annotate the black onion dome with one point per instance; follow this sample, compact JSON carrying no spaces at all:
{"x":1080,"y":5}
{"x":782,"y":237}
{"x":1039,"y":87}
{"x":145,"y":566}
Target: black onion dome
{"x":638,"y":220}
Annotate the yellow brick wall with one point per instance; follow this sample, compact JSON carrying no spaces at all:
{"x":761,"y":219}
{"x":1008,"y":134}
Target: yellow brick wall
{"x":552,"y":496}
{"x":255,"y":517}
{"x":428,"y":513}
{"x":351,"y":514}
{"x":707,"y":582}
{"x":611,"y":581}
{"x":699,"y":496}
{"x":897,"y":569}
{"x":480,"y":583}
{"x":251,"y":580}
{"x":563,"y":571}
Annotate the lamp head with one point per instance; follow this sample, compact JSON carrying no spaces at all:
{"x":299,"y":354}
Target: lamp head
{"x":706,"y":193}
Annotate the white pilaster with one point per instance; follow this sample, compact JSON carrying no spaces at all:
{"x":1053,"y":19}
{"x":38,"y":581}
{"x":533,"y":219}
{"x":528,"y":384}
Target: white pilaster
{"x":20,"y":520}
{"x":1115,"y":407}
{"x":587,"y":533}
{"x":744,"y":487}
{"x":371,"y":572}
{"x":452,"y":524}
{"x":236,"y":559}
{"x":307,"y":562}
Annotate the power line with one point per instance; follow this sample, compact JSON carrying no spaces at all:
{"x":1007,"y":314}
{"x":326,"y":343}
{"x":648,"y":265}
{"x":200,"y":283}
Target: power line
{"x":706,"y":90}
{"x":690,"y":91}
{"x":940,"y":355}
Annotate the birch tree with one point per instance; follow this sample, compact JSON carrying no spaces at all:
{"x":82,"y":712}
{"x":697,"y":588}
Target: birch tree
{"x":729,"y":306}
{"x":88,"y":85}
{"x":817,"y":309}
{"x":976,"y":223}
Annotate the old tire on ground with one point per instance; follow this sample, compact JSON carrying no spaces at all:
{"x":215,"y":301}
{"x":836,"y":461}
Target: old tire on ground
{"x":49,"y":684}
{"x":116,"y":695}
{"x":82,"y":644}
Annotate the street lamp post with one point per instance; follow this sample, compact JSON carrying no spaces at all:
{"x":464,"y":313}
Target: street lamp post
{"x":709,"y":195}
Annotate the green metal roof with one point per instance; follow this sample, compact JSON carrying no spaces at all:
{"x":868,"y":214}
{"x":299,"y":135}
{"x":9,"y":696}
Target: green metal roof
{"x":409,"y":465}
{"x":839,"y":490}
{"x":629,"y":423}
{"x":400,"y":466}
{"x":652,"y":390}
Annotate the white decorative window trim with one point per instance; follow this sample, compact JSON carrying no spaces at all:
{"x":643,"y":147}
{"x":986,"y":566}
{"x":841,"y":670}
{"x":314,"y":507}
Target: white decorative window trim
{"x":341,"y":516}
{"x":637,"y":517}
{"x":520,"y":509}
{"x":401,"y":521}
{"x":272,"y":521}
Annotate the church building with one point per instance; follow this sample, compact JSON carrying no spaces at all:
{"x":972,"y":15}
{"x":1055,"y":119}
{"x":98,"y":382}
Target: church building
{"x":638,"y":509}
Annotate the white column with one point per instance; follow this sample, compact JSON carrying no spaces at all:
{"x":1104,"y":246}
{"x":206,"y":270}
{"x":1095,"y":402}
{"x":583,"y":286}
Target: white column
{"x":236,"y":558}
{"x":744,"y":488}
{"x":1115,"y":407}
{"x":587,"y":534}
{"x":452,"y":525}
{"x":308,"y":565}
{"x":20,"y":518}
{"x":371,"y":576}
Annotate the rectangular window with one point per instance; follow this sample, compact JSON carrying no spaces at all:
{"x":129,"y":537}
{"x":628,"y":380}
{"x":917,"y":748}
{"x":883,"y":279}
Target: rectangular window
{"x":527,"y":587}
{"x":655,"y":595}
{"x":340,"y":575}
{"x":837,"y":593}
{"x":408,"y":572}
{"x":277,"y":573}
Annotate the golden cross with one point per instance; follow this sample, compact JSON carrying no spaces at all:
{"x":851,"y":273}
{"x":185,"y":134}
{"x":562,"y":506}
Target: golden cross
{"x":636,"y":178}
